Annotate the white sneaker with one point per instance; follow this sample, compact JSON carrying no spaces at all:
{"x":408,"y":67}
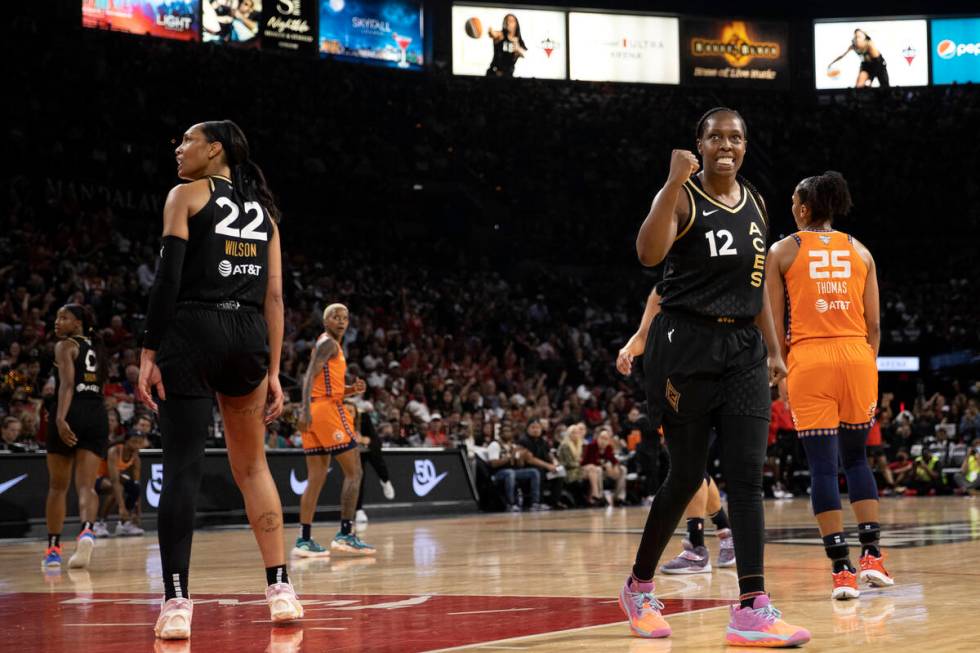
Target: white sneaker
{"x":174,"y":621}
{"x":129,"y":529}
{"x":388,"y":489}
{"x":83,"y":550}
{"x":283,"y":604}
{"x":100,"y":529}
{"x":360,"y":517}
{"x":648,"y":501}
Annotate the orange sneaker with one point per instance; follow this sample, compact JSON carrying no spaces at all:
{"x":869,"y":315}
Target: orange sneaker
{"x":643,"y":610}
{"x":845,"y":585}
{"x":873,"y":571}
{"x":761,"y":625}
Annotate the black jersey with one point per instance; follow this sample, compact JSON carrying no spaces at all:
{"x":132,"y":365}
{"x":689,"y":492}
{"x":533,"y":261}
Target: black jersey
{"x":86,"y":382}
{"x":716,"y":266}
{"x":228,"y":249}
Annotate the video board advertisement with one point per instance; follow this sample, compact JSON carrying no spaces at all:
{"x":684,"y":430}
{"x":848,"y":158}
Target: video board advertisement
{"x":385,"y":33}
{"x":509,"y":41}
{"x":955,"y":50}
{"x":734,"y":53}
{"x":236,"y":22}
{"x":870,"y":52}
{"x":623,"y":48}
{"x":170,"y":19}
{"x":290,"y":25}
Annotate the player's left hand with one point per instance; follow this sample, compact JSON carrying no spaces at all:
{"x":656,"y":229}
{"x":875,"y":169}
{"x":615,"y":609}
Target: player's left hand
{"x":274,"y":399}
{"x":777,"y":370}
{"x":150,"y":378}
{"x":359,"y":386}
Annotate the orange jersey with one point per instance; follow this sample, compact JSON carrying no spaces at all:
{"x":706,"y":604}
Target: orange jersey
{"x":329,"y":384}
{"x":121,"y":465}
{"x":825,"y":288}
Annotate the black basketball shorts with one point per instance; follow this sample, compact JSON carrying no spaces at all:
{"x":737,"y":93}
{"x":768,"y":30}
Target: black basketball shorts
{"x":209,"y":350}
{"x":694,"y":367}
{"x":90,"y":423}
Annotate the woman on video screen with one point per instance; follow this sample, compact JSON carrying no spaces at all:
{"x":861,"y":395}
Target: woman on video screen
{"x":508,"y":47}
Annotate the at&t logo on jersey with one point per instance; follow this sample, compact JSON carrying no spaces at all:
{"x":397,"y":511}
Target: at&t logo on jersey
{"x":947,"y":49}
{"x":226,"y":269}
{"x":823,"y":305}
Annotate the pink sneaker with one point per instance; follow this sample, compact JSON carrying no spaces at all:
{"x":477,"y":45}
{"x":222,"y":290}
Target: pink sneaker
{"x":761,"y":625}
{"x":643,"y":610}
{"x":283,"y":604}
{"x":174,"y":621}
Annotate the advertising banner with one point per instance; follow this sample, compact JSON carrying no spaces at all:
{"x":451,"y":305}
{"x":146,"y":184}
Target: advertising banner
{"x":623,"y":48}
{"x":290,"y":25}
{"x":238,"y":22}
{"x":859,"y":53}
{"x":734,"y":53}
{"x":170,"y":19}
{"x":508,"y":42}
{"x":386,"y":33}
{"x":955,"y":50}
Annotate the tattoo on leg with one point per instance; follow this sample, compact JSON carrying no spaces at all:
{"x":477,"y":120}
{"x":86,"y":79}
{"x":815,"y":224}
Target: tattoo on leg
{"x":247,"y":410}
{"x":269,"y":522}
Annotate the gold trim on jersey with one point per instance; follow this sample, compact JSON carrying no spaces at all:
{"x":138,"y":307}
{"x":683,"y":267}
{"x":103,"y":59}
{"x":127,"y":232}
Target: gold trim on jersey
{"x":736,"y":209}
{"x":694,"y":214}
{"x":762,"y":214}
{"x":211,"y":184}
{"x":223,"y":178}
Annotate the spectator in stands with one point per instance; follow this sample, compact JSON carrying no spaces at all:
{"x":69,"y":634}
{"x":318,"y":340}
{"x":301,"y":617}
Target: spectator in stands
{"x":970,"y":422}
{"x":116,"y":431}
{"x":782,"y":443}
{"x":273,"y":438}
{"x":927,"y":476}
{"x":600,"y":452}
{"x":643,"y":439}
{"x":435,"y":434}
{"x":968,"y":478}
{"x":570,"y":455}
{"x":12,"y":440}
{"x":508,"y":461}
{"x":552,"y":474}
{"x":902,"y":469}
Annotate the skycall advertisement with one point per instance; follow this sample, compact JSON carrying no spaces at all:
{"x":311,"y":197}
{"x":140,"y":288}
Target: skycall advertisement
{"x":956,"y":50}
{"x":734,"y":53}
{"x":623,"y":48}
{"x":509,"y":42}
{"x":289,"y":25}
{"x":384,"y":33}
{"x":170,"y":19}
{"x":870,"y":52}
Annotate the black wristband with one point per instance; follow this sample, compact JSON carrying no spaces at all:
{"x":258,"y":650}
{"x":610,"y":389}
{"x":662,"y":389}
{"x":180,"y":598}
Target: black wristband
{"x":163,"y":296}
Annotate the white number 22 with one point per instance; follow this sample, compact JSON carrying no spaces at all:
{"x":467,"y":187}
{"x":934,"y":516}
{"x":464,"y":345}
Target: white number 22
{"x":250,"y":232}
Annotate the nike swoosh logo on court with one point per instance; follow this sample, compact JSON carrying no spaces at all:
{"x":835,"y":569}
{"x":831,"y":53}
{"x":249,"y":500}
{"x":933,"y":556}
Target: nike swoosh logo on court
{"x":6,"y":485}
{"x":706,"y":213}
{"x":422,"y":489}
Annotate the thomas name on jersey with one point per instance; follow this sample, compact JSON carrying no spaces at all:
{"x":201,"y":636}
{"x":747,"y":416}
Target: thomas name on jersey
{"x":831,"y":287}
{"x":241,"y":250}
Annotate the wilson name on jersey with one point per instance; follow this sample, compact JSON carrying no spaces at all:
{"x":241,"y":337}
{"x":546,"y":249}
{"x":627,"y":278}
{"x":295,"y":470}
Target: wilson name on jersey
{"x":228,"y":249}
{"x":86,"y":383}
{"x":825,"y":287}
{"x":716,"y":266}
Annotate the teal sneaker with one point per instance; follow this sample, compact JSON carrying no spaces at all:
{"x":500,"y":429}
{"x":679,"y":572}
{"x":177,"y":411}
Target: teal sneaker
{"x":309,"y":549}
{"x":351,"y":544}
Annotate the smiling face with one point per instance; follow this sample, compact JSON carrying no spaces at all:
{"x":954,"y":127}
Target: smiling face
{"x":722,"y":144}
{"x":194,"y":154}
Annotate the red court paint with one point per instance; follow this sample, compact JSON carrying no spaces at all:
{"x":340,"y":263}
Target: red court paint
{"x":339,"y":623}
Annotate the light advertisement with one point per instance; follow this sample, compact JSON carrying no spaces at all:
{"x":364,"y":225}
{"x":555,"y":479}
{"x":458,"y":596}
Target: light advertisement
{"x":382,"y":32}
{"x":623,"y":48}
{"x":508,"y":41}
{"x":171,"y":19}
{"x":879,"y":53}
{"x":955,"y":50}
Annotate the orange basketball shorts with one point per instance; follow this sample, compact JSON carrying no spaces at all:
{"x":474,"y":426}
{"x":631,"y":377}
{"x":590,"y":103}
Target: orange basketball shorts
{"x":331,"y":430}
{"x":833,"y":383}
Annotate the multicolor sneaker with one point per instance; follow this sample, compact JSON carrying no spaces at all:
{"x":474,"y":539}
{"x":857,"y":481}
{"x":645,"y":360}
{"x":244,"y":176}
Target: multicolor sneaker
{"x":761,"y":625}
{"x":692,"y":560}
{"x":845,"y":586}
{"x":643,"y":609}
{"x":351,"y":544}
{"x":309,"y":549}
{"x":174,"y":621}
{"x":873,"y":571}
{"x":83,"y":550}
{"x":52,"y":557}
{"x":100,"y":529}
{"x":726,"y":548}
{"x":283,"y":604}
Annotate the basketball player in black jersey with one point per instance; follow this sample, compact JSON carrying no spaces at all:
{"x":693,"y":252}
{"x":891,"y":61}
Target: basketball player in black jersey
{"x":78,"y":430}
{"x":214,"y":327}
{"x":705,"y":365}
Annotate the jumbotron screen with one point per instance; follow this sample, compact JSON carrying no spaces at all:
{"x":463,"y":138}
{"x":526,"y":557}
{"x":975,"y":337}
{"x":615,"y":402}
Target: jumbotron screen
{"x":171,"y":19}
{"x":385,"y":32}
{"x":870,"y":52}
{"x":482,"y":43}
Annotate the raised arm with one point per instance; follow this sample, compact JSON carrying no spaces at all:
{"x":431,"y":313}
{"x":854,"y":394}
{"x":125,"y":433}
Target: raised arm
{"x":659,"y":228}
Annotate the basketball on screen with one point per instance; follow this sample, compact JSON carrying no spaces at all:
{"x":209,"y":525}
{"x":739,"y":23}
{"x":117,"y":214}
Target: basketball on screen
{"x":474,"y":29}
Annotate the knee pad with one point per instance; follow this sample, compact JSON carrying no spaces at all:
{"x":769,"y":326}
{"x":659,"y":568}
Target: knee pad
{"x":821,"y":455}
{"x":861,"y":484}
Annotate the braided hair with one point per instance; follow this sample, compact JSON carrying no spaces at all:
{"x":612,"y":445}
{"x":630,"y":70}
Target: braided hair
{"x":246,"y":175}
{"x":699,"y":133}
{"x":827,"y":195}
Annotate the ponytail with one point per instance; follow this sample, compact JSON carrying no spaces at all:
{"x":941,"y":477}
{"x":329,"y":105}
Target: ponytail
{"x":246,"y":175}
{"x":827,"y":195}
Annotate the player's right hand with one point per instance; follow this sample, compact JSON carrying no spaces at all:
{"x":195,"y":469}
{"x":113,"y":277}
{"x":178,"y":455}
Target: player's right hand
{"x":66,"y":434}
{"x":634,"y":347}
{"x":683,"y":164}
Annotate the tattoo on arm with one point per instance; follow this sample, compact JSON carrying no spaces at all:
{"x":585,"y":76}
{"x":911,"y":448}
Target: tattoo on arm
{"x":324,"y":351}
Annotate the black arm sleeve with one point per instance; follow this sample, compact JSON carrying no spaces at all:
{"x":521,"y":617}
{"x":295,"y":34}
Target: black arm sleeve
{"x":163,"y":296}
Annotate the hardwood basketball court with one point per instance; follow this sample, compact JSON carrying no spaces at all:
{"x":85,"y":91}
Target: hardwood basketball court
{"x":500,"y":582}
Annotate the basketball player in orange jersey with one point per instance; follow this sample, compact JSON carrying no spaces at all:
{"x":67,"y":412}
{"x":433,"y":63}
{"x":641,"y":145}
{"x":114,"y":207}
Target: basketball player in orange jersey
{"x":328,"y":430}
{"x":827,"y":279}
